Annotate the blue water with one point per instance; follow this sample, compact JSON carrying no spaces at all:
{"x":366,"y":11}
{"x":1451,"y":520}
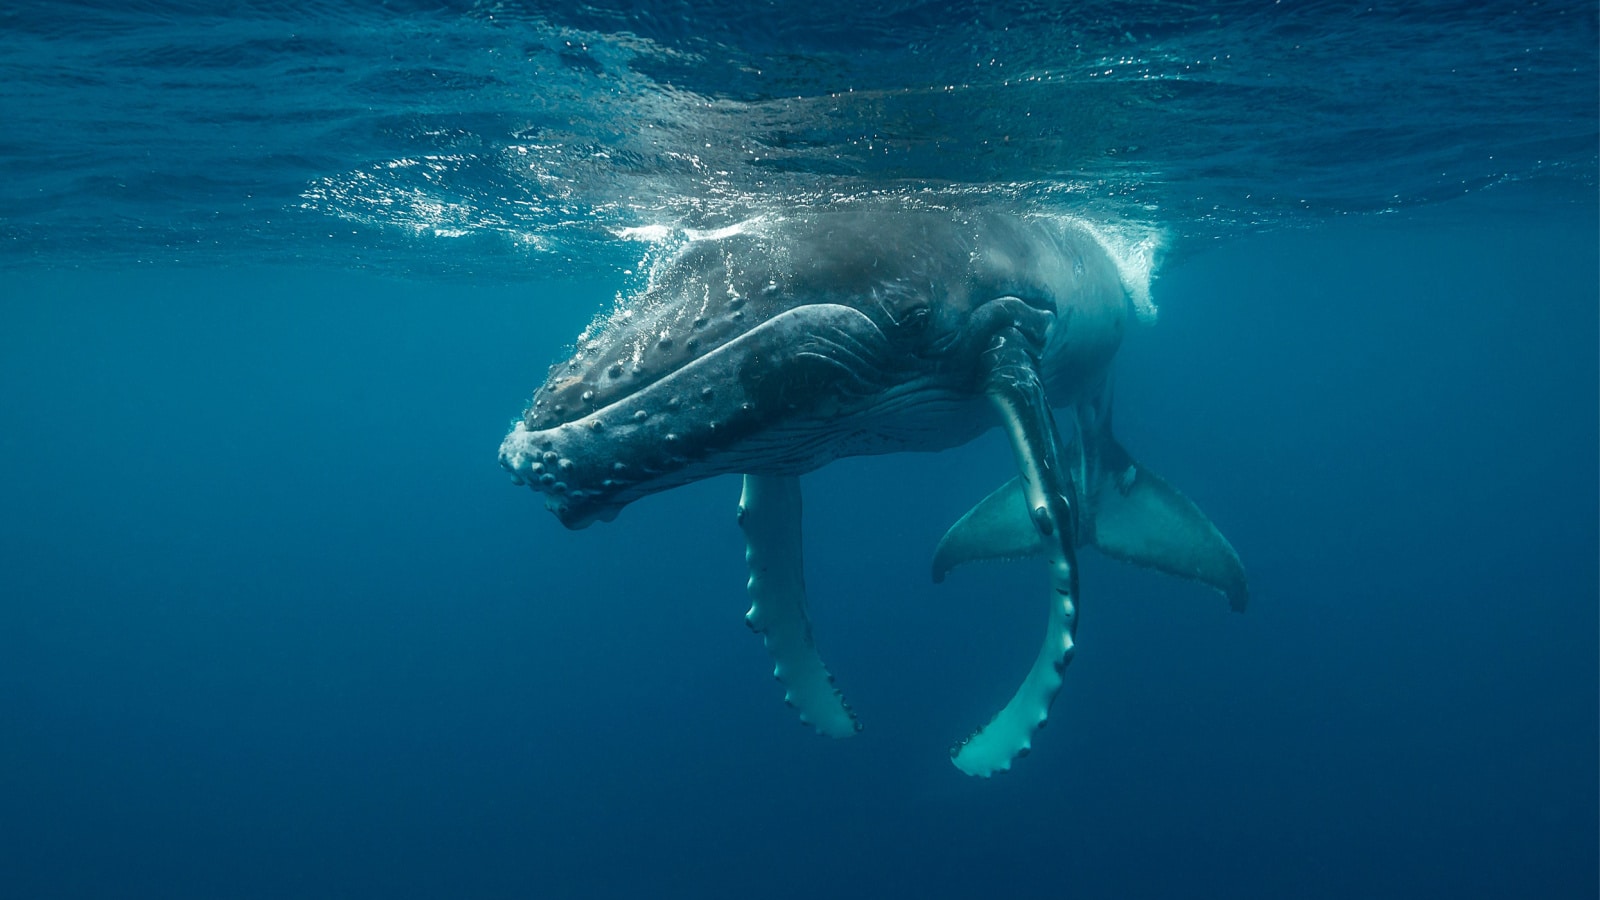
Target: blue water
{"x":274,"y":282}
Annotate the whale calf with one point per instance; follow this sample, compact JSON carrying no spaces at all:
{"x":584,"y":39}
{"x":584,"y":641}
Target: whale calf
{"x":770,"y":348}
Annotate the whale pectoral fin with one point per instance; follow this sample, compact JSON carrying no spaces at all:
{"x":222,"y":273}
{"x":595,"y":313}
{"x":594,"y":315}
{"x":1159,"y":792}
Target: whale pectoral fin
{"x":1134,"y":515}
{"x":769,"y":514}
{"x":1014,"y":387}
{"x":998,"y":528}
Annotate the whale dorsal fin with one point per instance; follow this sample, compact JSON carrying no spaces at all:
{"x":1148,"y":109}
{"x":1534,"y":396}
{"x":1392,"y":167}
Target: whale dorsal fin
{"x":1128,"y":512}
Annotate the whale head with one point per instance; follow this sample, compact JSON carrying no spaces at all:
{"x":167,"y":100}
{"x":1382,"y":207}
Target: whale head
{"x":739,"y":355}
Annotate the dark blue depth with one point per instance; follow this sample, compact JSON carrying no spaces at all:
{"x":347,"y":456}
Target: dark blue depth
{"x":274,"y":624}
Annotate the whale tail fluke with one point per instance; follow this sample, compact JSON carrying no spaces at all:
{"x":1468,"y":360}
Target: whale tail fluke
{"x":1128,"y":513}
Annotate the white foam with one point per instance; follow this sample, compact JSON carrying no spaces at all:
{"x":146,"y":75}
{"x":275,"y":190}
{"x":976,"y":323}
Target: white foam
{"x":653,"y":234}
{"x":728,"y":231}
{"x":1135,"y":249}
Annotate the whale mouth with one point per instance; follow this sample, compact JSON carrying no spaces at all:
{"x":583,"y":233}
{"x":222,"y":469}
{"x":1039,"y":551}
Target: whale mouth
{"x":797,"y":373}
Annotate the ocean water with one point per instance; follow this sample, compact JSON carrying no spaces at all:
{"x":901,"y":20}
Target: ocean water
{"x":275,"y":277}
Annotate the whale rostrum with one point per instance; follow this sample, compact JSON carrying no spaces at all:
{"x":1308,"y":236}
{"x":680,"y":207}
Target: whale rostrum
{"x":774,"y":347}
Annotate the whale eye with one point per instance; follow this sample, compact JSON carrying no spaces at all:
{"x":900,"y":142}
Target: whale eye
{"x":916,"y":319}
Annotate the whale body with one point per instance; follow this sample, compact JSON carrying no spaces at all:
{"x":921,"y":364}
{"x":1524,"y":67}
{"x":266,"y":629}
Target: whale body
{"x":771,"y":348}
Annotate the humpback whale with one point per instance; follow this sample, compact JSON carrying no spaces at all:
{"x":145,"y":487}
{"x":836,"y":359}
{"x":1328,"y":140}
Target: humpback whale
{"x":772,"y":347}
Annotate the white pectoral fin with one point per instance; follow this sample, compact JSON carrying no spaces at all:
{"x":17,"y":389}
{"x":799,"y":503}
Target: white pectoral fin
{"x":769,"y":513}
{"x":1044,"y":498}
{"x":1138,"y":517}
